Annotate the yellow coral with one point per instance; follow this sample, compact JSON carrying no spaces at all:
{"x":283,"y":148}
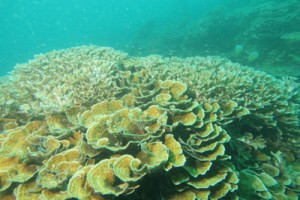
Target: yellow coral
{"x":102,"y":178}
{"x":112,"y":125}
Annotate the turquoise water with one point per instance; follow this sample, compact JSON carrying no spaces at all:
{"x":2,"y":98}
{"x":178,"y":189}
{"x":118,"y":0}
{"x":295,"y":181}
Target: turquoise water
{"x":259,"y":33}
{"x":31,"y":27}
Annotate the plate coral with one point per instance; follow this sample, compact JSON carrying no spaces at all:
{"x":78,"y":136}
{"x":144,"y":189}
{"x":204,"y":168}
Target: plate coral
{"x":94,"y":123}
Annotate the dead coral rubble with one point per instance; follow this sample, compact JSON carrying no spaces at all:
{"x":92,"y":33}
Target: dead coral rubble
{"x":140,"y":128}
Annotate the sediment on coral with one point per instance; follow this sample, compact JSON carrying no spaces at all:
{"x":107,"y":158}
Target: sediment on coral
{"x":95,"y":123}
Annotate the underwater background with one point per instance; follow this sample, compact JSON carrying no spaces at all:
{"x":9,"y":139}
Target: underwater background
{"x":33,"y":27}
{"x":264,"y":34}
{"x":150,"y":100}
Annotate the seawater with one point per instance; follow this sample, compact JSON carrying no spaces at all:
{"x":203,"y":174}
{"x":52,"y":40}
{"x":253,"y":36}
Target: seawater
{"x":31,"y":27}
{"x":263,"y":34}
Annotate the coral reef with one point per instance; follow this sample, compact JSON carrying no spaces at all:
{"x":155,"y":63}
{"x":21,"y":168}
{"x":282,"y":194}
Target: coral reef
{"x":265,"y":31}
{"x":95,"y":123}
{"x":60,"y":80}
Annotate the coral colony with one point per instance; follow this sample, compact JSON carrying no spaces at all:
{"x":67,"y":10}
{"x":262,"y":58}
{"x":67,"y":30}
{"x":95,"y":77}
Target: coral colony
{"x":95,"y":123}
